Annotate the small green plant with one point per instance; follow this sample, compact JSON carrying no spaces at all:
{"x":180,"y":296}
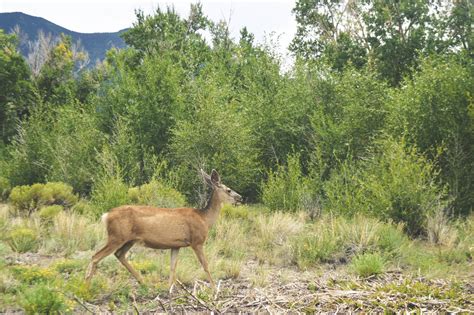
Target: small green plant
{"x":22,"y":240}
{"x":233,"y":212}
{"x":27,"y":199}
{"x":315,"y":247}
{"x":33,"y":274}
{"x":368,"y":264}
{"x":156,"y":194}
{"x":145,"y":266}
{"x":83,"y":207}
{"x":49,"y":212}
{"x":42,"y":299}
{"x":391,"y":239}
{"x":67,"y":265}
{"x":77,"y":286}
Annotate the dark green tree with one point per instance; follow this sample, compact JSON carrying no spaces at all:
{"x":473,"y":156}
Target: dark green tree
{"x":17,"y":92}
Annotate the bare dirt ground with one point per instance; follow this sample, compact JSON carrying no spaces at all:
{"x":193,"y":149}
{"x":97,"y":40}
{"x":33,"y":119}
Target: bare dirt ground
{"x":290,"y":291}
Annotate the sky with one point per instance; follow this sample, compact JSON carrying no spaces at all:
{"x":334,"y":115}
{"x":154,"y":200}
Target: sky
{"x":266,"y":19}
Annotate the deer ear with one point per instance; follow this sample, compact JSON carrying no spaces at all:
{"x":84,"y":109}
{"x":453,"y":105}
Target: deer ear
{"x":206,"y":177}
{"x":215,"y":178}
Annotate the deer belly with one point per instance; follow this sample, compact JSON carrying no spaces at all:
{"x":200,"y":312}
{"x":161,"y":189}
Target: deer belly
{"x":161,"y":235}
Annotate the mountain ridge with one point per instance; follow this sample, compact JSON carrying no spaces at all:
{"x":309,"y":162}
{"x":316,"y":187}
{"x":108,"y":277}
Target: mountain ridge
{"x":96,"y":44}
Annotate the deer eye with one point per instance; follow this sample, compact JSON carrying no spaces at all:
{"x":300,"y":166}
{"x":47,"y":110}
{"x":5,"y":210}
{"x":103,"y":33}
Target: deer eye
{"x":229,"y":191}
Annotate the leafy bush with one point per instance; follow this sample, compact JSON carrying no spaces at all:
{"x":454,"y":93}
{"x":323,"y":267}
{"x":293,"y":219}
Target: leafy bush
{"x":214,"y":135}
{"x":157,"y":194}
{"x":395,"y":183}
{"x":22,"y":240}
{"x":49,"y":212}
{"x":286,"y":188}
{"x":4,"y":188}
{"x":57,"y":143}
{"x":27,"y":199}
{"x":368,"y":264}
{"x":42,"y":299}
{"x":108,"y":193}
{"x":432,"y":112}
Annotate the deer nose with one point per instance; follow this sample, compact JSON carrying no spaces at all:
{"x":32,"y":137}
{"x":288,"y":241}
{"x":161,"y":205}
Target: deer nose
{"x":238,"y":198}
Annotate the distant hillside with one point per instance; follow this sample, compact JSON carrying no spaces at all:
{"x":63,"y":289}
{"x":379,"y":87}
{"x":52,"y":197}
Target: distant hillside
{"x":96,"y":44}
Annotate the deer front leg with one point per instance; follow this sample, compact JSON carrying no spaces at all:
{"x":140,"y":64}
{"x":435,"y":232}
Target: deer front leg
{"x":199,"y":251}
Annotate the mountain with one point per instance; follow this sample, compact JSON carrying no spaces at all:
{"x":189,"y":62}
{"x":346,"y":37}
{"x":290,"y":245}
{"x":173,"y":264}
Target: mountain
{"x":96,"y":44}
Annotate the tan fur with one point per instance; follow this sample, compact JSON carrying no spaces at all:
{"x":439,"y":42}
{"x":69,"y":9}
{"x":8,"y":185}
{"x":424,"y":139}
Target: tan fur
{"x":163,"y":228}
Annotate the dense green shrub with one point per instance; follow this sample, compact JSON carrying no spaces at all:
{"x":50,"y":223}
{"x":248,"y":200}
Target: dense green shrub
{"x":214,"y":136}
{"x":57,"y":144}
{"x":49,"y":212}
{"x":155,"y":193}
{"x":432,"y":112}
{"x":395,"y":183}
{"x":42,"y":299}
{"x":368,"y":264}
{"x":26,"y":199}
{"x":22,"y":240}
{"x":350,"y":112}
{"x":108,"y":193}
{"x":286,"y":188}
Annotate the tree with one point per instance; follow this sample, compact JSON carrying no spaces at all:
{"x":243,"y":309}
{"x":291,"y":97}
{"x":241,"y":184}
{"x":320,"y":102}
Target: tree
{"x":55,"y":79}
{"x":388,"y":35}
{"x":17,"y":92}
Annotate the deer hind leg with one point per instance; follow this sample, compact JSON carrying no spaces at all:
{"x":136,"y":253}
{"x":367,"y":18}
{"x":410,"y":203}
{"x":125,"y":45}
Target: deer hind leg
{"x":199,"y":251}
{"x":105,"y":251}
{"x":174,"y":263}
{"x":121,"y":256}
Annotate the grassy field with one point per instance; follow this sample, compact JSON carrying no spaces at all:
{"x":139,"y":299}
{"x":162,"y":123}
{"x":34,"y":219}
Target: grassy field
{"x":261,"y":261}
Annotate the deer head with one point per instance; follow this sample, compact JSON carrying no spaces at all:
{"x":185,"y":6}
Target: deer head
{"x":224,"y":193}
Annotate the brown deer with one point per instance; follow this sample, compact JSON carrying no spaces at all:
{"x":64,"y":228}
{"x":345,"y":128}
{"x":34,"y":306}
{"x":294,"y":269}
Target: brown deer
{"x":163,"y":228}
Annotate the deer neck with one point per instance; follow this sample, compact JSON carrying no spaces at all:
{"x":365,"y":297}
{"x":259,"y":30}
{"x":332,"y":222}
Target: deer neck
{"x":212,"y":209}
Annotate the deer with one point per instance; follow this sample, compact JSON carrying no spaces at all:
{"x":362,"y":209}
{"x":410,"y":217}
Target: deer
{"x":164,"y":228}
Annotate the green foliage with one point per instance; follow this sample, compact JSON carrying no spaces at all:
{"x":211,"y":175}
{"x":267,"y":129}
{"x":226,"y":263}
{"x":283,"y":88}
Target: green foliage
{"x":369,"y":264}
{"x":55,"y":80}
{"x":286,"y":188}
{"x":42,"y":299}
{"x":58,"y":144}
{"x":389,"y":36}
{"x":432,"y":113}
{"x":108,"y":193}
{"x":22,"y":239}
{"x":27,"y":199}
{"x":5,"y":188}
{"x":67,"y":265}
{"x":33,"y":274}
{"x":49,"y":212}
{"x":315,"y":247}
{"x":155,"y":193}
{"x":17,"y":91}
{"x":233,"y":212}
{"x":396,"y":183}
{"x":350,"y":112}
{"x":216,"y":135}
